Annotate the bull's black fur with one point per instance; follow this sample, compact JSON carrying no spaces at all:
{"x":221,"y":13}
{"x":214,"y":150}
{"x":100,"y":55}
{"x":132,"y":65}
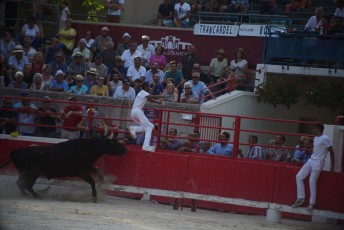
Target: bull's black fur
{"x":73,"y":158}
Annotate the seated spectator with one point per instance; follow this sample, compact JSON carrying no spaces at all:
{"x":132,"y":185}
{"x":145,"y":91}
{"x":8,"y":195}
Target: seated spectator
{"x":69,"y":79}
{"x":297,"y":5}
{"x":170,"y":142}
{"x":29,"y":51}
{"x":324,"y":25}
{"x":118,"y":68}
{"x":146,"y":50}
{"x":51,"y":51}
{"x":58,"y":84}
{"x":102,"y":69}
{"x":276,"y":153}
{"x":337,"y":29}
{"x":90,"y":79}
{"x":114,"y":83}
{"x":191,"y":145}
{"x":200,"y":88}
{"x":223,"y":148}
{"x":58,"y":63}
{"x":299,"y":149}
{"x":78,"y":66}
{"x":153,"y":140}
{"x":181,"y":14}
{"x":136,"y":71}
{"x":217,"y":67}
{"x":18,"y":83}
{"x":47,"y":115}
{"x":154,"y":70}
{"x":170,"y":93}
{"x":38,"y":84}
{"x":8,"y":117}
{"x":205,"y":147}
{"x":31,"y":30}
{"x":17,"y":61}
{"x":255,"y":151}
{"x":100,"y":41}
{"x":269,"y":6}
{"x":196,"y":68}
{"x":47,"y":76}
{"x":236,"y":6}
{"x":176,"y":76}
{"x":124,"y":45}
{"x":108,"y":54}
{"x":100,"y":89}
{"x":71,"y":115}
{"x":188,"y":95}
{"x":137,"y":86}
{"x":314,"y":21}
{"x":37,"y":63}
{"x":156,"y":88}
{"x":28,"y":75}
{"x":125,"y":92}
{"x":79,"y":88}
{"x":27,"y":113}
{"x":90,"y":124}
{"x":67,"y":36}
{"x":168,"y":81}
{"x":238,"y":70}
{"x":306,"y":153}
{"x":165,"y":14}
{"x":339,"y":12}
{"x":158,"y":57}
{"x":86,"y":53}
{"x":88,"y":39}
{"x":6,"y":45}
{"x":129,"y":54}
{"x":127,"y":139}
{"x":215,"y":5}
{"x":187,"y":62}
{"x":5,"y":77}
{"x":199,"y":5}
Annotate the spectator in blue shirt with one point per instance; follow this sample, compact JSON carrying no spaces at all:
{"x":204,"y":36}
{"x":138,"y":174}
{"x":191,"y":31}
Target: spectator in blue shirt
{"x":18,"y":83}
{"x":58,"y":84}
{"x":223,"y":148}
{"x":304,"y":151}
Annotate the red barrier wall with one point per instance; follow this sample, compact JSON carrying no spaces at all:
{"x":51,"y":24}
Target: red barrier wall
{"x":177,"y":41}
{"x":226,"y":177}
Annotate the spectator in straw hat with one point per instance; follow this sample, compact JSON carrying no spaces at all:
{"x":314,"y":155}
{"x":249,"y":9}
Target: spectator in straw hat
{"x":90,"y":79}
{"x":17,"y":61}
{"x":78,"y":66}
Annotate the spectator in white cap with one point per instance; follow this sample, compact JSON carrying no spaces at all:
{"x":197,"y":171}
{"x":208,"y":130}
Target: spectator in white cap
{"x":124,"y":45}
{"x":58,"y":84}
{"x":83,"y":50}
{"x":101,"y":40}
{"x":114,"y":10}
{"x":146,"y":50}
{"x":90,"y":79}
{"x":129,"y":54}
{"x":17,"y":61}
{"x":18,"y":83}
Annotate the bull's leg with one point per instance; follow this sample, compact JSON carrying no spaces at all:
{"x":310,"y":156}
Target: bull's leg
{"x":86,"y":177}
{"x":30,"y":180}
{"x":98,"y":173}
{"x":20,"y":184}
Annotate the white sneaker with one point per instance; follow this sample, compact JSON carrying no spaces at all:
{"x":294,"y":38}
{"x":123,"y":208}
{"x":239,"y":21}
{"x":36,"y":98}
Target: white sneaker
{"x":148,"y":148}
{"x":132,"y":132}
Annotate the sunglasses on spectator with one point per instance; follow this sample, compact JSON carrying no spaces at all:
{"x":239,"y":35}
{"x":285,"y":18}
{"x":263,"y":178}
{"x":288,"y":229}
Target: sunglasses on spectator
{"x":78,"y":81}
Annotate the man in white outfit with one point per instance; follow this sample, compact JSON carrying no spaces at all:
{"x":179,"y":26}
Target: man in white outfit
{"x":139,"y":117}
{"x":314,"y":166}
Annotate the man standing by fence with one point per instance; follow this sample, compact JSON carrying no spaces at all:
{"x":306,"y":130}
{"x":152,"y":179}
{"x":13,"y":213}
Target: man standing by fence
{"x":314,"y":166}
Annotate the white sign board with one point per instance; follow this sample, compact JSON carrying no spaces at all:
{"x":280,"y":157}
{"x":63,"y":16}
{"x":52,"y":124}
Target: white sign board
{"x":216,"y":30}
{"x":258,"y":30}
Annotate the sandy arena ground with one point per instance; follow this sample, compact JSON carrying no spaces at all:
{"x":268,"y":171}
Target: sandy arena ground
{"x":71,"y":208}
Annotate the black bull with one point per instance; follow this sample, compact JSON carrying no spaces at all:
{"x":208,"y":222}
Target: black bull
{"x":73,"y":158}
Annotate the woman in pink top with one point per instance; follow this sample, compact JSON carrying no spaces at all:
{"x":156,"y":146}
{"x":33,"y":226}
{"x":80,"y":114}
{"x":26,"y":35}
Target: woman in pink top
{"x":158,"y":57}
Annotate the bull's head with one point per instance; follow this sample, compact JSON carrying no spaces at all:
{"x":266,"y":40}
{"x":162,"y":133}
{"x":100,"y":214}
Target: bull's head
{"x":114,"y":147}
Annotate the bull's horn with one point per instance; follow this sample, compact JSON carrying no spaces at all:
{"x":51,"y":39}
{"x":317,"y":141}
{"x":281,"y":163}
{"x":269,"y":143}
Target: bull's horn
{"x":111,"y":136}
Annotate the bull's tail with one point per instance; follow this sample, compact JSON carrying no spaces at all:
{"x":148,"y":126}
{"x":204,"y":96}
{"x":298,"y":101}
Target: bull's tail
{"x":5,"y":164}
